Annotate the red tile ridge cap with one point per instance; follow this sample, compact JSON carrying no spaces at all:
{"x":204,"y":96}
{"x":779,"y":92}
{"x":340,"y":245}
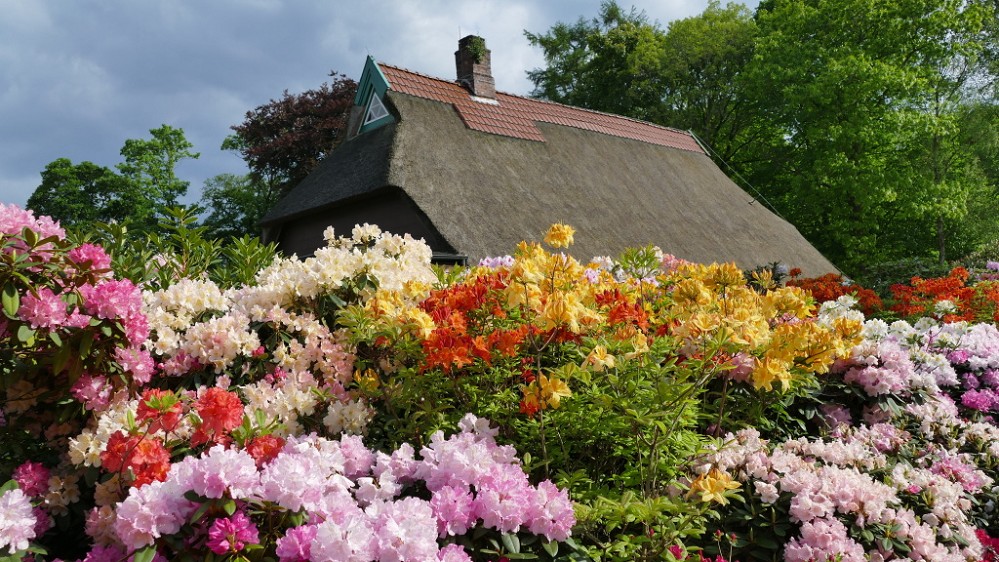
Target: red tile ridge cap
{"x":518,"y":99}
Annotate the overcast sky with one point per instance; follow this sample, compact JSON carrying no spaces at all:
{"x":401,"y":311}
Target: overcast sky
{"x":78,"y":78}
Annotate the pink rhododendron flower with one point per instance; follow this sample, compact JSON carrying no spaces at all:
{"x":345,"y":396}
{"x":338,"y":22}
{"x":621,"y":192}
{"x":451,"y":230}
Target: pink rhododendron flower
{"x":296,"y":544}
{"x":46,"y":310}
{"x":136,"y":361}
{"x":13,"y":220}
{"x":406,"y":530}
{"x":232,"y":534}
{"x":93,"y":391}
{"x":454,"y":510}
{"x":219,"y":471}
{"x":150,"y":512}
{"x":554,"y":516}
{"x":350,"y":540}
{"x":92,"y":253}
{"x":505,"y":498}
{"x":453,"y":553}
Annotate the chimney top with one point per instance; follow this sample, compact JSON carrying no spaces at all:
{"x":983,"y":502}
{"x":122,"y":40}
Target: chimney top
{"x":472,"y":60}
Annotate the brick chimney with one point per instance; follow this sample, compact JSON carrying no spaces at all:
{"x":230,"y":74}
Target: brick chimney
{"x":474,"y":70}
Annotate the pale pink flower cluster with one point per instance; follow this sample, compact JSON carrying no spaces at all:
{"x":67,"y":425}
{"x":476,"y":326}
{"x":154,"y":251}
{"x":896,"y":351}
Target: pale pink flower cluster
{"x":881,"y":368}
{"x":13,"y":220}
{"x":823,"y":539}
{"x":17,"y":518}
{"x":828,"y":484}
{"x":354,"y":498}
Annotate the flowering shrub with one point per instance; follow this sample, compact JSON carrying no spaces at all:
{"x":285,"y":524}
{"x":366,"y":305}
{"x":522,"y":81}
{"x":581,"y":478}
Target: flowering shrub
{"x":949,"y":298}
{"x":831,"y":286}
{"x":304,"y":413}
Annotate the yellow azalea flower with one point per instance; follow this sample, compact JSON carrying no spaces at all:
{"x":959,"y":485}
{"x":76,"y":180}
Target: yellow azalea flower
{"x":787,"y":300}
{"x":769,"y":370}
{"x":552,"y":390}
{"x":415,"y":289}
{"x":713,"y":485}
{"x":599,"y":359}
{"x":421,"y":321}
{"x":724,"y":275}
{"x":563,"y":308}
{"x":559,"y":235}
{"x":692,"y":292}
{"x":764,"y":279}
{"x":368,"y":380}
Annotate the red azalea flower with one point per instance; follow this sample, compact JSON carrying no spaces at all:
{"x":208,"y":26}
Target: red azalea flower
{"x":264,"y":448}
{"x":162,"y":407}
{"x":221,"y":412}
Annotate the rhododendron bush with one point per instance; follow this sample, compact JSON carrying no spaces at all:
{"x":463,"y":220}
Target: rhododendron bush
{"x":361,"y":405}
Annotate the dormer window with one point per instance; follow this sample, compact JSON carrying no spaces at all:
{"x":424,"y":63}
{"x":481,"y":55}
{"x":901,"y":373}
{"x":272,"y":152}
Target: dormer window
{"x":376,"y":109}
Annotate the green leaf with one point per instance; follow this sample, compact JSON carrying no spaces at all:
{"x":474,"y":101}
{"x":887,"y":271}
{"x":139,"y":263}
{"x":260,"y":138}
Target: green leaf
{"x":11,"y":300}
{"x":86,"y":343}
{"x":25,"y":335}
{"x":551,"y":548}
{"x":8,"y":486}
{"x":145,"y":555}
{"x":229,"y":506}
{"x":61,"y":358}
{"x":511,"y":542}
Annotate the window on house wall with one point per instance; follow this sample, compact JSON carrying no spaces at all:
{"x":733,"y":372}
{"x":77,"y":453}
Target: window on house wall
{"x":376,"y":109}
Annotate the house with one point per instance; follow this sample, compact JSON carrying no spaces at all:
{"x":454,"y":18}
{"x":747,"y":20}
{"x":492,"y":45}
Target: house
{"x":474,"y":171}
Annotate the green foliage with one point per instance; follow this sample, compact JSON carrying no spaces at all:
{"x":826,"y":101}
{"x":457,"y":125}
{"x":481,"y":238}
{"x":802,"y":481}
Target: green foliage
{"x":79,"y":195}
{"x":610,"y":63}
{"x":879,"y":277}
{"x":149,"y":169}
{"x":869,"y":135}
{"x":869,"y":125}
{"x":179,"y":249}
{"x":82,"y":195}
{"x":235,"y":205}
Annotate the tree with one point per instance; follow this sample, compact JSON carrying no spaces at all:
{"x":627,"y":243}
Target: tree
{"x":235,"y":204}
{"x":855,"y":89}
{"x":149,"y":170}
{"x":283,"y":140}
{"x":610,"y":63}
{"x":687,"y":77}
{"x":80,"y":195}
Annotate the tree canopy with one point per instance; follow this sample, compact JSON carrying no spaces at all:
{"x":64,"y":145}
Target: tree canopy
{"x":283,"y":140}
{"x":866,"y":123}
{"x":142,"y":188}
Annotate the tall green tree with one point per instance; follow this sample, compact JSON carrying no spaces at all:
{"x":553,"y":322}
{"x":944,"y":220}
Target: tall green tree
{"x":150,"y":166}
{"x":610,"y":63}
{"x":686,"y":77}
{"x":143,"y":188}
{"x":285,"y":139}
{"x":79,"y":194}
{"x":235,"y":203}
{"x":856,"y":91}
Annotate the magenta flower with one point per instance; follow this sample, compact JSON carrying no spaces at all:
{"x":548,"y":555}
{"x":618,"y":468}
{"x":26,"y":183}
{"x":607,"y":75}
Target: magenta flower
{"x":32,"y":478}
{"x":232,"y":534}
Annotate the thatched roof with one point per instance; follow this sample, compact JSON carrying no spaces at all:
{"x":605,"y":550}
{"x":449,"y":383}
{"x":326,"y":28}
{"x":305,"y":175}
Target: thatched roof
{"x":485,"y":182}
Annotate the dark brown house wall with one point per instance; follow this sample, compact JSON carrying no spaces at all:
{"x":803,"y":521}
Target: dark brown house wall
{"x":389,"y":209}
